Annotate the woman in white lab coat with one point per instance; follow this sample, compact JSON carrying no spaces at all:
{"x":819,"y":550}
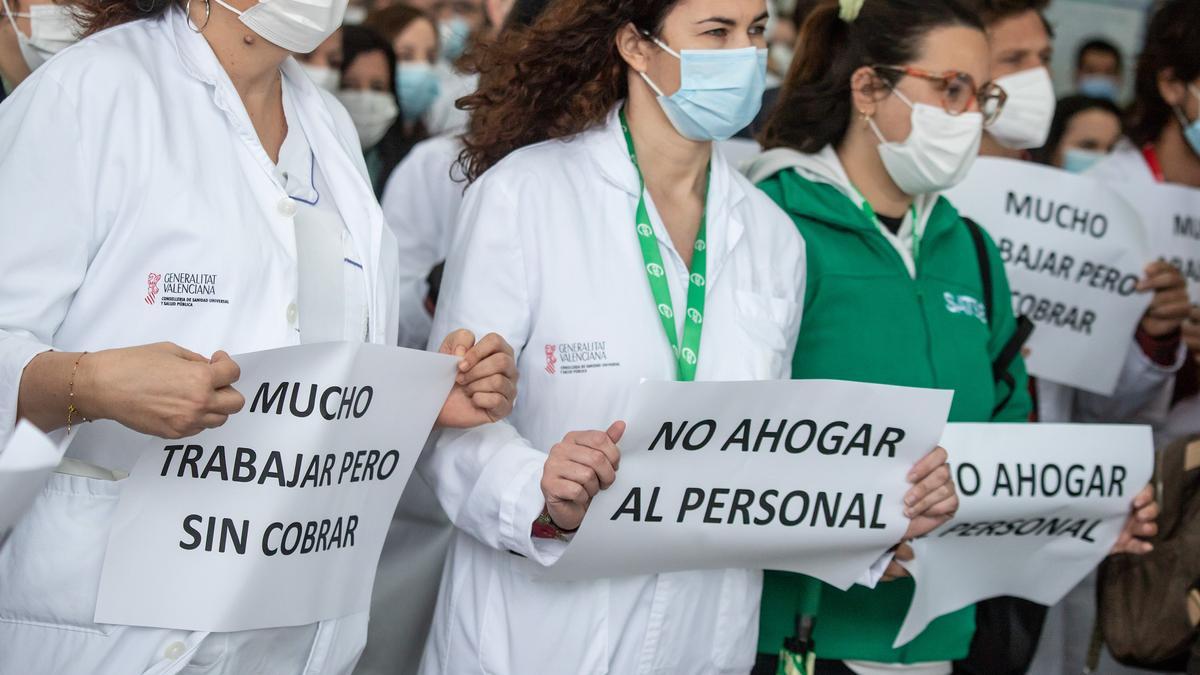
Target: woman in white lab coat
{"x":176,"y":181}
{"x":559,"y":246}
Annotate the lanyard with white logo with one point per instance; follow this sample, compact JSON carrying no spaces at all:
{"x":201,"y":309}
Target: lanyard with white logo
{"x":688,"y":355}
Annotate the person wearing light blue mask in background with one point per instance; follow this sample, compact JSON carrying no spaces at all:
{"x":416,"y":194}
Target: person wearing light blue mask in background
{"x":1083,"y":132}
{"x":463,"y":25}
{"x":411,"y":40}
{"x":1099,"y":70}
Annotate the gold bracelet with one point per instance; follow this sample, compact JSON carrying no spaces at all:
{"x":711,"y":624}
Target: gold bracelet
{"x":72,"y":411}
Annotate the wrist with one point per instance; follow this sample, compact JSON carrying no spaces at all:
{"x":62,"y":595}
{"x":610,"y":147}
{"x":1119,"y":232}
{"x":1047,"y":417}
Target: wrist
{"x":1161,"y":349}
{"x":84,"y":394}
{"x":544,"y":527}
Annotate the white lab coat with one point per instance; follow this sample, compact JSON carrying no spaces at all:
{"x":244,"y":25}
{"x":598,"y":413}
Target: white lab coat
{"x":130,"y":154}
{"x":546,"y":254}
{"x":420,"y":204}
{"x":1143,"y":393}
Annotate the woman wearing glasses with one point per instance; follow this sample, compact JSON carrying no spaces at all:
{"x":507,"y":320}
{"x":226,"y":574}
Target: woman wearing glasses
{"x":882,"y":110}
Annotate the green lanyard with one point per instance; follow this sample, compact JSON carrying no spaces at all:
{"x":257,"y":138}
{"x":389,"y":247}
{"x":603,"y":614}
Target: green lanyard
{"x":688,"y":355}
{"x":912,"y":209}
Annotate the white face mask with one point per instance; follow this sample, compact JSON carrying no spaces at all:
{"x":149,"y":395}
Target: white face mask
{"x":938,"y":152}
{"x":373,"y":113}
{"x":323,"y":76}
{"x":298,"y":26}
{"x":1025,"y":121}
{"x":52,"y":28}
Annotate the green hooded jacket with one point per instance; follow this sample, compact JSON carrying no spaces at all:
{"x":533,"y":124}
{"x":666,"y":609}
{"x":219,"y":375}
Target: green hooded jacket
{"x":870,"y":317}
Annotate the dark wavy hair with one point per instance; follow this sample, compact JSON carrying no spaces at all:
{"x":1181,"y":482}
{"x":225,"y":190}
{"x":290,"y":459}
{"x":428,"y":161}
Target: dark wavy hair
{"x":96,"y":15}
{"x":1172,"y":43}
{"x":992,"y":11}
{"x":559,"y":77}
{"x":815,"y":106}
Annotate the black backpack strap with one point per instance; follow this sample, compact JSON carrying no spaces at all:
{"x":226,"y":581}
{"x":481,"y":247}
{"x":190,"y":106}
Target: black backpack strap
{"x":1010,"y":350}
{"x":985,"y":265}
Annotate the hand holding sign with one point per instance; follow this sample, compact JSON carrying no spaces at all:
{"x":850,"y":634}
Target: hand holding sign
{"x":932,"y":500}
{"x":801,"y":476}
{"x":278,"y":517}
{"x":929,"y":503}
{"x":160,"y":390}
{"x":1170,"y":305}
{"x":578,"y":469}
{"x":486,"y":385}
{"x":1142,"y":523}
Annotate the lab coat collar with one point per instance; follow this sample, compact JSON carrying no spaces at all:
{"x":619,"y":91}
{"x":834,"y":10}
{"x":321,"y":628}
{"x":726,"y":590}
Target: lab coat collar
{"x":725,"y":229}
{"x":351,"y":191}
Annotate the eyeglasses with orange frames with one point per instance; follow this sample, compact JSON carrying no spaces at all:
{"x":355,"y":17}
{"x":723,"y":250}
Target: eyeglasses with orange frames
{"x":958,"y":90}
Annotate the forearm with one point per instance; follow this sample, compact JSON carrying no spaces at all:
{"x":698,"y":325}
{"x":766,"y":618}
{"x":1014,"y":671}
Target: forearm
{"x":46,"y":386}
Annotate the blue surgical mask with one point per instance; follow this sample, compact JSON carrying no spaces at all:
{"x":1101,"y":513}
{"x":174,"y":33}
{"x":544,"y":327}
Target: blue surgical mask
{"x":418,"y":87}
{"x":1078,"y":160}
{"x":454,"y":33}
{"x":1099,"y":86}
{"x":720,"y":91}
{"x":1191,"y":129}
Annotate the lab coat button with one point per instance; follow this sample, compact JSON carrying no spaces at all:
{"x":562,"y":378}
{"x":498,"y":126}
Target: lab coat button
{"x":174,"y":650}
{"x":292,"y":313}
{"x":287,"y":207}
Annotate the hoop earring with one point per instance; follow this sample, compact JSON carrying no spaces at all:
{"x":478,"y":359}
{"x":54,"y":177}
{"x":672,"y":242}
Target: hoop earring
{"x":187,"y":8}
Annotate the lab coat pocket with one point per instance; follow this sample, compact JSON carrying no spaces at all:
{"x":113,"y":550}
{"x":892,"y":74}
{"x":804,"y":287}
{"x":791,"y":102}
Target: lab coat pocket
{"x":737,"y":620}
{"x":534,"y":626}
{"x":765,"y":321}
{"x":51,"y":563}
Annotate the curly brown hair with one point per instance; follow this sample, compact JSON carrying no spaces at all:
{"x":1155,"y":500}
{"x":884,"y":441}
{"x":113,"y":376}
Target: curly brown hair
{"x":96,"y":15}
{"x":559,"y":77}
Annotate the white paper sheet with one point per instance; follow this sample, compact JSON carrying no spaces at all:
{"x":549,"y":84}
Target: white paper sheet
{"x":1171,"y":214}
{"x":1042,"y":505}
{"x":25,"y":463}
{"x":209,"y":537}
{"x":1074,"y":252}
{"x":674,"y":509}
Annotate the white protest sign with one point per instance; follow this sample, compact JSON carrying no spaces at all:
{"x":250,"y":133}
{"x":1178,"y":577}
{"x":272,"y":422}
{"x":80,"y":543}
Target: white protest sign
{"x":802,"y":476}
{"x":1074,"y":254}
{"x":25,"y":463}
{"x":278,"y":517}
{"x":1034,"y":497}
{"x":1171,"y":215}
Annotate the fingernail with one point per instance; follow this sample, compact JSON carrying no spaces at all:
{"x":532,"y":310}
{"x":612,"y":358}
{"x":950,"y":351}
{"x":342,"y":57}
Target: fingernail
{"x":909,"y":500}
{"x":908,"y":513}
